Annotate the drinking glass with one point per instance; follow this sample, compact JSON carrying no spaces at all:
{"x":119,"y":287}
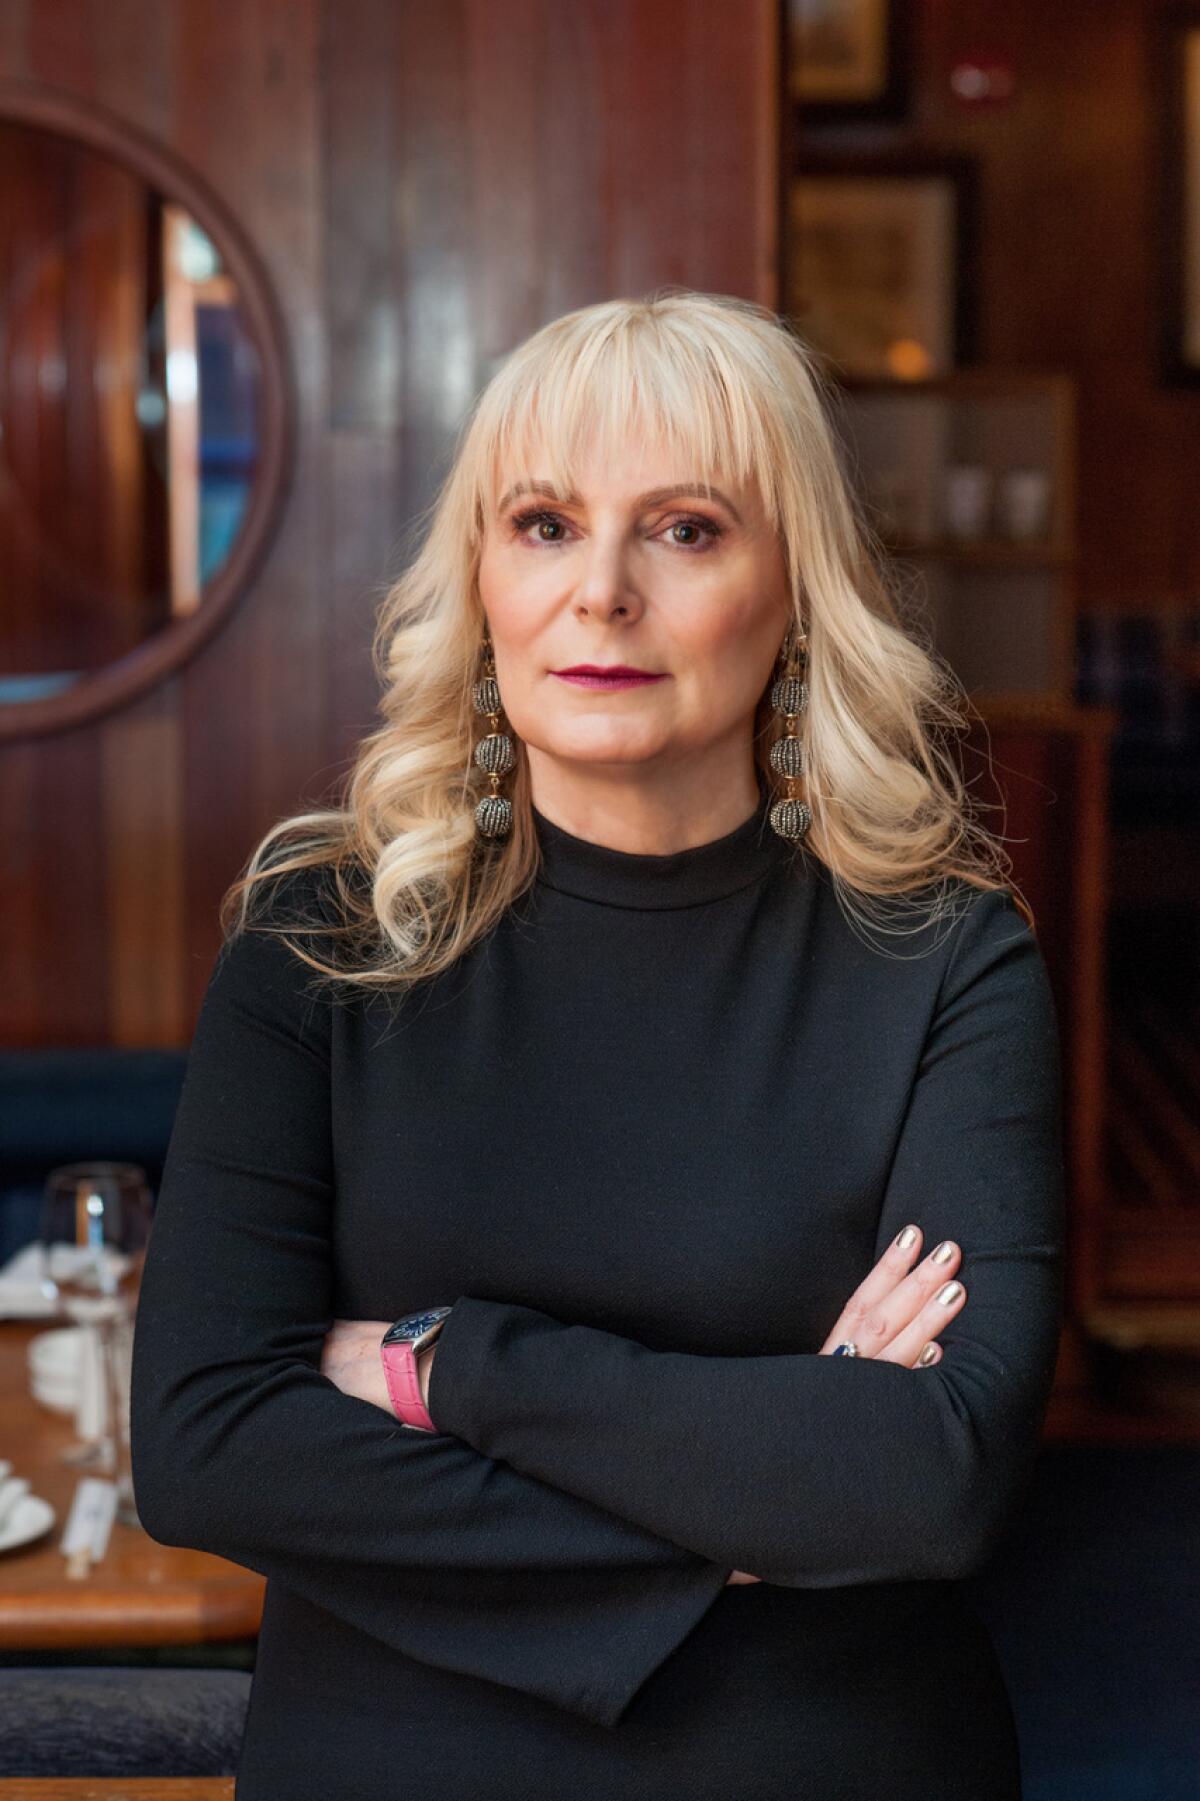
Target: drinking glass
{"x":95,"y":1225}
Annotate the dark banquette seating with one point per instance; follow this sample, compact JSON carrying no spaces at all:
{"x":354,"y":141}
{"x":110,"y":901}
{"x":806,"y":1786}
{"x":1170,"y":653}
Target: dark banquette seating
{"x":65,"y":1106}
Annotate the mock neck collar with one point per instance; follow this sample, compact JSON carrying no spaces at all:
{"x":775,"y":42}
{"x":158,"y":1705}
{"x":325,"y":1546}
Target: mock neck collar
{"x":682,"y":878}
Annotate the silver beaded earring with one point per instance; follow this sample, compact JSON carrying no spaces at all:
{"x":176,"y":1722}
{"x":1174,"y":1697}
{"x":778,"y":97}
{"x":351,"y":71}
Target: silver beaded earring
{"x":789,"y":816}
{"x":494,"y":753}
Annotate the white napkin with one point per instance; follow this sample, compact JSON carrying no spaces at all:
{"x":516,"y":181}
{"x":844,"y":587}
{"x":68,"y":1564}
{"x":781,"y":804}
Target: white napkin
{"x":21,"y":1294}
{"x":90,"y":1522}
{"x":91,"y":1408}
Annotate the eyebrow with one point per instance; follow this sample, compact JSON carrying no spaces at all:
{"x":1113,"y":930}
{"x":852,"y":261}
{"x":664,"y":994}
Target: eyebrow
{"x":652,"y":496}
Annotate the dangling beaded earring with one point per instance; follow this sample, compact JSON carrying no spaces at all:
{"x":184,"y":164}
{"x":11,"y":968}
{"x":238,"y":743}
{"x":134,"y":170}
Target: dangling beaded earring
{"x":790,"y":817}
{"x":495,"y":753}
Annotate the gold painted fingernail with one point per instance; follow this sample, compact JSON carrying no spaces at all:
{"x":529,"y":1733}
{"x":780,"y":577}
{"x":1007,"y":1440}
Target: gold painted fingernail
{"x":950,"y":1293}
{"x":928,"y":1354}
{"x":944,"y":1252}
{"x":907,"y":1238}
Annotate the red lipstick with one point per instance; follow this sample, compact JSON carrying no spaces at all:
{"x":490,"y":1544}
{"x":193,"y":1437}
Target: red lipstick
{"x":610,"y":676}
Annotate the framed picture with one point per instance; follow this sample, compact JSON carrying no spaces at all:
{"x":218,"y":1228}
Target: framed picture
{"x":878,"y":260}
{"x":848,"y":59}
{"x":1178,"y":59}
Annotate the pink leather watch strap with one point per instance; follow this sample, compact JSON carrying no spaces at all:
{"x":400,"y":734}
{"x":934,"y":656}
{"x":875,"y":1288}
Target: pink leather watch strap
{"x":404,"y":1387}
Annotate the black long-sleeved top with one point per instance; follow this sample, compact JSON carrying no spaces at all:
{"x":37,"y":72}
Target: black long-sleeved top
{"x":647,"y":1137}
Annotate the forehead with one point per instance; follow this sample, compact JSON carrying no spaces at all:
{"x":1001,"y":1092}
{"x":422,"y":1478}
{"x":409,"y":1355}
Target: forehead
{"x":623,"y":486}
{"x":627,"y":467}
{"x":622,"y":423}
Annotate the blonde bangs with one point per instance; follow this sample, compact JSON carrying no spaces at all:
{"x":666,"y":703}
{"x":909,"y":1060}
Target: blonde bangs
{"x":729,"y":393}
{"x":592,"y":383}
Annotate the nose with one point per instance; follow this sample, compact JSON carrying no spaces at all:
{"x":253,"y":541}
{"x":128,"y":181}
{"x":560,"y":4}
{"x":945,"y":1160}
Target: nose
{"x":604,"y":590}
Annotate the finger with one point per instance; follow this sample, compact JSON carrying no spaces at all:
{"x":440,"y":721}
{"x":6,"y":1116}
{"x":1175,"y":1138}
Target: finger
{"x":875,"y":1328}
{"x":934,"y":1317}
{"x":874,"y":1288}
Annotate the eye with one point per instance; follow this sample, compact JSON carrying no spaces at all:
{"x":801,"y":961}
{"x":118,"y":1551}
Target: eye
{"x":707,"y":531}
{"x":521,"y":522}
{"x":704,"y":532}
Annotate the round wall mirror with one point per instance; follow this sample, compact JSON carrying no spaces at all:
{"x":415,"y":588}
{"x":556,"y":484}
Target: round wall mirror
{"x":144,"y":414}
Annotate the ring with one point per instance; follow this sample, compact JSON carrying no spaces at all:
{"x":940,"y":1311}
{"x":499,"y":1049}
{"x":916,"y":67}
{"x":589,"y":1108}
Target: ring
{"x":846,"y":1349}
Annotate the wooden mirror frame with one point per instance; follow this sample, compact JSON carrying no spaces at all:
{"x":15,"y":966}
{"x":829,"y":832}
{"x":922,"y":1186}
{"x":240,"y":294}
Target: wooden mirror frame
{"x":119,"y":682}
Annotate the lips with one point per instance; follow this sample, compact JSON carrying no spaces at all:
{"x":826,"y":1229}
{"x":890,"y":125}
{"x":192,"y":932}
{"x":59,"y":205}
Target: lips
{"x":590,"y":675}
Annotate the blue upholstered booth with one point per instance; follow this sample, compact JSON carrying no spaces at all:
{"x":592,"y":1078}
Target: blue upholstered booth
{"x":121,"y":1722}
{"x":1093,"y":1600}
{"x":64,"y":1106}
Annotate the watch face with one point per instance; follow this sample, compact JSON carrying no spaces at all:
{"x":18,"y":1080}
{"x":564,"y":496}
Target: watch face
{"x":414,"y":1325}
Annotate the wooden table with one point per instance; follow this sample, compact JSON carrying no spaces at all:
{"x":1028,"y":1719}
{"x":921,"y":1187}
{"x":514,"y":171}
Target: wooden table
{"x":141,"y":1593}
{"x":111,"y":1788}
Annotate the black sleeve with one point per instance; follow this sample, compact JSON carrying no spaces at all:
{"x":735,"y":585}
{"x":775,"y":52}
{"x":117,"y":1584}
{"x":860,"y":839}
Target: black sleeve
{"x":242,"y":1447}
{"x":815,"y":1471}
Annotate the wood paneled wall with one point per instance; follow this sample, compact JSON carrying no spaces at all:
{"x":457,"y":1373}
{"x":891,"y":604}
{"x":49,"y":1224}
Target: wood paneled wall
{"x":1067,"y":275}
{"x":426,"y":183}
{"x":82,"y":506}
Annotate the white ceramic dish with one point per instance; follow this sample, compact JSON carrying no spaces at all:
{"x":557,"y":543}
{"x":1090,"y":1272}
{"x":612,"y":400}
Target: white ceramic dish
{"x":58,"y":1396}
{"x":31,"y":1518}
{"x":54,"y":1368}
{"x":56,"y":1351}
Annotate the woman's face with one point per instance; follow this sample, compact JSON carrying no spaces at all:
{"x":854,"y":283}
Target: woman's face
{"x":639,"y":570}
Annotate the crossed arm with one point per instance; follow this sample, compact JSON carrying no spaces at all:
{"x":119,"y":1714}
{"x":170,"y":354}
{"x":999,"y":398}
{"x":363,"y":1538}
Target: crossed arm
{"x":811,"y":1471}
{"x":242,"y":1447}
{"x":808,"y":1471}
{"x":633,"y":1479}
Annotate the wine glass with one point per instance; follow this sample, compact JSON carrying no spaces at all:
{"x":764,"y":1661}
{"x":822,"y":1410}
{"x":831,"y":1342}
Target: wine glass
{"x":95,"y":1225}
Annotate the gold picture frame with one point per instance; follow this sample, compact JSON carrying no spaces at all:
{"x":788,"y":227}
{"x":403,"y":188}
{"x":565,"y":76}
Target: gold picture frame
{"x":877,"y":266}
{"x":847,"y":59}
{"x":1179,"y":190}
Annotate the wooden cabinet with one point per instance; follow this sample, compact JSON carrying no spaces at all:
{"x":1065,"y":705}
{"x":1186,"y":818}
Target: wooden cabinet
{"x":1049,"y":773}
{"x":969,"y":482}
{"x":994,"y":592}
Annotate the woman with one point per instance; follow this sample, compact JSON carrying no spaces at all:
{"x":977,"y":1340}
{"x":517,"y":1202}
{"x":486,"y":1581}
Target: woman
{"x":664,"y":1093}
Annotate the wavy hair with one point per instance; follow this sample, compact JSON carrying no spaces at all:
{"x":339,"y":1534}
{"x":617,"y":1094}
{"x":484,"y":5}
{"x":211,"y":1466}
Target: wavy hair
{"x":728,"y":386}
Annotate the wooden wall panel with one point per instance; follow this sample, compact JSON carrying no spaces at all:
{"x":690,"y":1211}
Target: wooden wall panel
{"x":79,"y":484}
{"x":62,"y":965}
{"x":142,"y":826}
{"x":1066,"y":274}
{"x":425,"y":181}
{"x":1067,"y":277}
{"x":253,"y":701}
{"x":20,"y":880}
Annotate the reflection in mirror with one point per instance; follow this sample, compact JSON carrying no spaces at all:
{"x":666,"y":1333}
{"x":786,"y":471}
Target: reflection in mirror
{"x":130,"y":411}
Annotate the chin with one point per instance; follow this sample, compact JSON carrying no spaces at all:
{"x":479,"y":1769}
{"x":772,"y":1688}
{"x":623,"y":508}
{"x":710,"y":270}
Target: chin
{"x":600,"y":749}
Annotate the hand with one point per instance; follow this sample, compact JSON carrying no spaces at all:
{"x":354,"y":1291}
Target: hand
{"x":894,"y":1315}
{"x":350,"y":1358}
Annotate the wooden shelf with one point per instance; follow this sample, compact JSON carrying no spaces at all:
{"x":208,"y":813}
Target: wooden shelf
{"x":1144,"y":1325}
{"x":1047,"y":712}
{"x":999,"y":609}
{"x":981,"y":553}
{"x":1081,"y":1420}
{"x":987,"y":381}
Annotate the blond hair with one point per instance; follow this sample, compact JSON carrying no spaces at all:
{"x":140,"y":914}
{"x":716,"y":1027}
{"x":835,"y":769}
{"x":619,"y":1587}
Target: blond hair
{"x":727,"y":386}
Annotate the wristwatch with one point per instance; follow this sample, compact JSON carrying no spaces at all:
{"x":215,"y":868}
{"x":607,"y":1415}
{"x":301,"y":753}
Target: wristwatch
{"x":399,"y":1348}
